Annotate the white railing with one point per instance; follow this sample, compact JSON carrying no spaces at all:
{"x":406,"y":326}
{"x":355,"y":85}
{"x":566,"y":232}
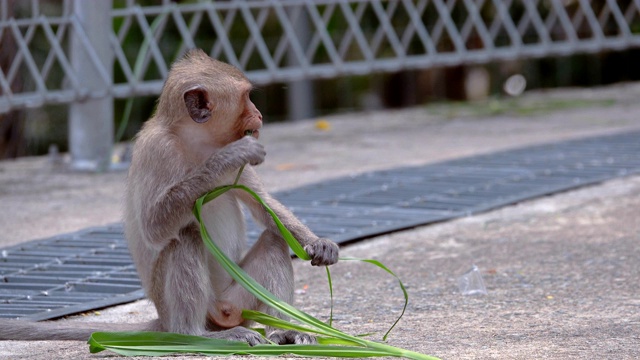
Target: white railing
{"x":69,"y":56}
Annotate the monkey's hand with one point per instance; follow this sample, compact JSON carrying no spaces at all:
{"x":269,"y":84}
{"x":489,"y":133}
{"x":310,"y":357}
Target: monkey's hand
{"x":248,"y":150}
{"x":323,"y":252}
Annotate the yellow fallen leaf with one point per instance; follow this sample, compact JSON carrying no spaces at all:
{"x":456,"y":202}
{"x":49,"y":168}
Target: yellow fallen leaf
{"x":285,"y":166}
{"x":323,"y":125}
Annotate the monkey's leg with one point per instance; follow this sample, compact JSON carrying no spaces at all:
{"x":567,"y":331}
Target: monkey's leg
{"x":186,"y":290}
{"x":269,"y":263}
{"x":185,"y":285}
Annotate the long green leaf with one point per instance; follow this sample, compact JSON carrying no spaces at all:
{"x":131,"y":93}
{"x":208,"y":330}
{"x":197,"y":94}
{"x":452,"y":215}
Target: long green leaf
{"x":286,"y":234}
{"x":330,"y":296}
{"x":250,"y":284}
{"x":153,"y":343}
{"x":404,"y":290}
{"x":269,"y":299}
{"x":165,"y":343}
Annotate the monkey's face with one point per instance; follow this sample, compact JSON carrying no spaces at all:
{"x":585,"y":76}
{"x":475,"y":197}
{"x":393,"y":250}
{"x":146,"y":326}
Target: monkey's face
{"x":250,"y":120}
{"x":218,"y":118}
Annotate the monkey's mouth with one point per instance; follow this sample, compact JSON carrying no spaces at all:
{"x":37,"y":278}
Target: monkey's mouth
{"x":250,"y":132}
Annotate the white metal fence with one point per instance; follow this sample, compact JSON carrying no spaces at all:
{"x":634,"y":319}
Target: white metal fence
{"x":84,"y":51}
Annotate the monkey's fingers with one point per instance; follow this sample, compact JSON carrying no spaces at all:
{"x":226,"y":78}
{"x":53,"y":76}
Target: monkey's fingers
{"x":250,"y":150}
{"x":323,"y":252}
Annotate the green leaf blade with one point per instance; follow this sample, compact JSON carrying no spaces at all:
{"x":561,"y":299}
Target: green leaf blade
{"x":334,"y":344}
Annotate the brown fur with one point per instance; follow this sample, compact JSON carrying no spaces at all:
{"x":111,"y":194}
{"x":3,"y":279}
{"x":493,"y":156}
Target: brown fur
{"x":193,"y":143}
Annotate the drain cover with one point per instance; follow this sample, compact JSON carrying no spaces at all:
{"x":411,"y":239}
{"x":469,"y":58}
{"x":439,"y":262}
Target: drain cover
{"x":67,"y":274}
{"x":90,"y":269}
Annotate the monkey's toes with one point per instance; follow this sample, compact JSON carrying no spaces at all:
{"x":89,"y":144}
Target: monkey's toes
{"x":239,"y":333}
{"x":282,"y":337}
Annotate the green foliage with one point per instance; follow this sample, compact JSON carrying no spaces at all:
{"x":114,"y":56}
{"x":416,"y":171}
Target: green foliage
{"x":512,"y":107}
{"x":332,"y":342}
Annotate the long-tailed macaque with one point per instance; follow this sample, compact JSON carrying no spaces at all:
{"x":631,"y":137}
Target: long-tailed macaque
{"x":204,"y":130}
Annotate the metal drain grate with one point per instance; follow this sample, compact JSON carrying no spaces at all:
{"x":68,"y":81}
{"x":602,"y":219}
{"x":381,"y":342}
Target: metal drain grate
{"x":90,"y":269}
{"x":383,"y":201}
{"x":67,"y":274}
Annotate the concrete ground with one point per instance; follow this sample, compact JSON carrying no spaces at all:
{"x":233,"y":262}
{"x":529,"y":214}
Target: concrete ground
{"x":561,"y":271}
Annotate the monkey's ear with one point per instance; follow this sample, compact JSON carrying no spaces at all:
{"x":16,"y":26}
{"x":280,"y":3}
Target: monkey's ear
{"x":197,"y":102}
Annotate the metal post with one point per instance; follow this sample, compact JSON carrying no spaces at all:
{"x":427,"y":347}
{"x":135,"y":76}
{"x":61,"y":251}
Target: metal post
{"x":300,"y":93}
{"x":91,"y":121}
{"x":300,"y":100}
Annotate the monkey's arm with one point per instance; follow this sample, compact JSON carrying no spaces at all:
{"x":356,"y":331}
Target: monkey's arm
{"x":170,"y":209}
{"x":322,"y":251}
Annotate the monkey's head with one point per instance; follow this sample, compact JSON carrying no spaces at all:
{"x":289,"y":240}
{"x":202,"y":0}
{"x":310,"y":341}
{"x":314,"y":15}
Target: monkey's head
{"x":208,"y":101}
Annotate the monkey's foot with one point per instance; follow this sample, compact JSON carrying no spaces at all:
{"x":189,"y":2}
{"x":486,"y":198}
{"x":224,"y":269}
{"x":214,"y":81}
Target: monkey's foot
{"x":238,"y":333}
{"x":226,"y":315}
{"x":284,"y":337}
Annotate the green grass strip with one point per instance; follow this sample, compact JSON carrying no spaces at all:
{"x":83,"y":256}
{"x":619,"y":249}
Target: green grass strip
{"x":404,"y":290}
{"x":286,"y":234}
{"x":295,"y":245}
{"x":161,"y":343}
{"x":269,"y":299}
{"x":156,"y":343}
{"x":330,"y":296}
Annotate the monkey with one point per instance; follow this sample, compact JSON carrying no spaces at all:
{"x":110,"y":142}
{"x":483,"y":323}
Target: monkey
{"x":204,"y":130}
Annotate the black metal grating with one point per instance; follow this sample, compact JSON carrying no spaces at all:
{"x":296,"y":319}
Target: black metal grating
{"x":90,"y":269}
{"x":67,"y":274}
{"x":378,"y":202}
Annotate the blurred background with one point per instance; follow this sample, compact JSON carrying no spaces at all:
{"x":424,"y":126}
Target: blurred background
{"x":307,"y":58}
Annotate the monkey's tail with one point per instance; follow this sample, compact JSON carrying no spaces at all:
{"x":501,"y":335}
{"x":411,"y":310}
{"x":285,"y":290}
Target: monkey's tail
{"x":50,"y":330}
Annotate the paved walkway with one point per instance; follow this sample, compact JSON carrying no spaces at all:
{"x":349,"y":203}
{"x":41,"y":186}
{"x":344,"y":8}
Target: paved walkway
{"x":561,"y":271}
